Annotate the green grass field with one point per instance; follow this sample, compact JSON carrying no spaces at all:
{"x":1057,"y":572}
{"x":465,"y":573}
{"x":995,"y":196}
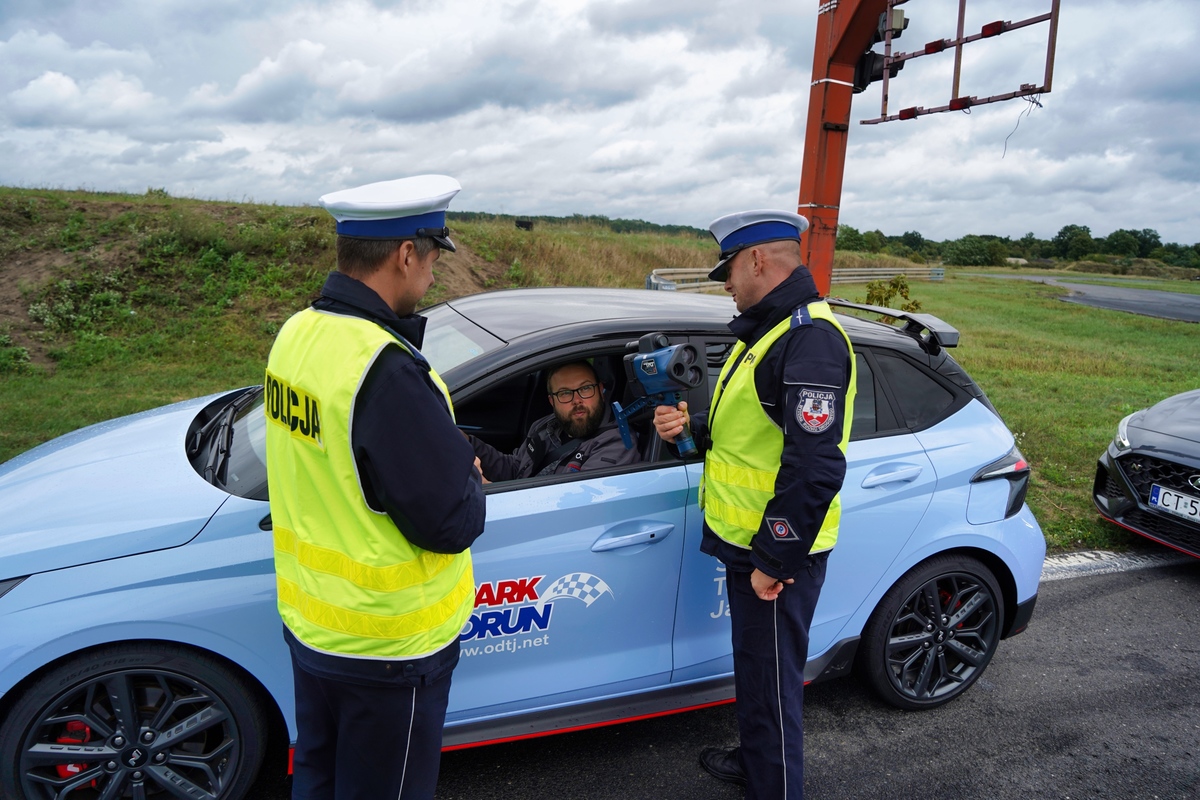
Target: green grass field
{"x":112,"y":304}
{"x":1062,"y":375}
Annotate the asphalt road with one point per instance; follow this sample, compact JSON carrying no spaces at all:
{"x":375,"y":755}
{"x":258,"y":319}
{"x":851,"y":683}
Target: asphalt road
{"x":1099,"y":698}
{"x":1148,"y":302}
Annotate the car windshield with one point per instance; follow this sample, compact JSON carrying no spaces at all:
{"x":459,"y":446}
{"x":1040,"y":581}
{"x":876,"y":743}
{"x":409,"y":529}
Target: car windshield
{"x":452,"y":339}
{"x":231,"y":451}
{"x":246,"y":470}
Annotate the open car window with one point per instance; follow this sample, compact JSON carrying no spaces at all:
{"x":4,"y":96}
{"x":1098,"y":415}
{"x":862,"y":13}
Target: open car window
{"x":503,"y":413}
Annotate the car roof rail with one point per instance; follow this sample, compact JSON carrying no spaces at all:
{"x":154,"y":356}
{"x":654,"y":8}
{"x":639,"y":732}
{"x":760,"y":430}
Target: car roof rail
{"x":940,"y":333}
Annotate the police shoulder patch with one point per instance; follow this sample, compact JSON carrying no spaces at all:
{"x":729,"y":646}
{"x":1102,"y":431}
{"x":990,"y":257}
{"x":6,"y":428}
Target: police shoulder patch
{"x":815,"y":409}
{"x":781,"y":529}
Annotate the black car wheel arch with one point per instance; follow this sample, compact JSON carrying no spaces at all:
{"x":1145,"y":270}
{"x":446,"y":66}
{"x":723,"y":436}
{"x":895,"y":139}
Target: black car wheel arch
{"x":133,"y":720}
{"x":933,"y":633}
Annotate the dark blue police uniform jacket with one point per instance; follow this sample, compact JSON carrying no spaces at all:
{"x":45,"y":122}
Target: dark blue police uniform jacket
{"x":770,"y":639}
{"x":358,"y":712}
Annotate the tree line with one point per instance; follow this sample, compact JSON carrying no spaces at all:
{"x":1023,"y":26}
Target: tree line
{"x":1071,"y":243}
{"x":597,"y":220}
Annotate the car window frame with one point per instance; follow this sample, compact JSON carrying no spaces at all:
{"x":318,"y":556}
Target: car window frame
{"x":539,"y":360}
{"x":960,"y":396}
{"x":889,"y":419}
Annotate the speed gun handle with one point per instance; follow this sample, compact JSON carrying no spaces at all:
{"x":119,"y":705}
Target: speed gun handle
{"x":684,"y":442}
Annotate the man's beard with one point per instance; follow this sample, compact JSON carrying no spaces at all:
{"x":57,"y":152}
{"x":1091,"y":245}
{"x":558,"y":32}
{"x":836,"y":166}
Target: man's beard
{"x":582,"y":428}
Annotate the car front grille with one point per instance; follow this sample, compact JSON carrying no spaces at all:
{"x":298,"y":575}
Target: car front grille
{"x":1177,"y":533}
{"x":1111,"y":489}
{"x":1143,"y":471}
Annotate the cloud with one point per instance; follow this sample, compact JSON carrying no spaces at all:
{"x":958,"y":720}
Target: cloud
{"x":27,"y":54}
{"x":674,"y":112}
{"x":54,"y":99}
{"x":277,"y":90}
{"x":624,"y":155}
{"x":633,"y":18}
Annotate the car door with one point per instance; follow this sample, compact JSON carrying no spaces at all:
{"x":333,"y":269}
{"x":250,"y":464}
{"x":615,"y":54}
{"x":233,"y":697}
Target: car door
{"x":576,"y":581}
{"x":888,"y":486}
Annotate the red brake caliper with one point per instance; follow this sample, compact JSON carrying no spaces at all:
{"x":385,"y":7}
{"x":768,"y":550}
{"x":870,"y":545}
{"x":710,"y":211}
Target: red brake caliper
{"x":76,"y":733}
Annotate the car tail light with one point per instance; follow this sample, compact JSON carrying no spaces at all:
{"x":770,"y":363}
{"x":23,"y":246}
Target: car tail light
{"x":1013,"y":468}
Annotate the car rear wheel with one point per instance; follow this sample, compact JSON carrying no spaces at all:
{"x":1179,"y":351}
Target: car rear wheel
{"x":933,"y":633}
{"x":135,"y":721}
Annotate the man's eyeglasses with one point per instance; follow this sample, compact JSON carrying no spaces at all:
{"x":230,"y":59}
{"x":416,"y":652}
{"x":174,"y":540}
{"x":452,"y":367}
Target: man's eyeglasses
{"x":585,"y":392}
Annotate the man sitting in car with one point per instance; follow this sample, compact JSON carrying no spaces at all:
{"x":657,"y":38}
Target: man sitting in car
{"x":579,"y":435}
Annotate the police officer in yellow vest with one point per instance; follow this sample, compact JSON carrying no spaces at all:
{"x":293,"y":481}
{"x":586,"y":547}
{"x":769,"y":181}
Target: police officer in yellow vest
{"x":375,"y":498}
{"x":775,"y":456}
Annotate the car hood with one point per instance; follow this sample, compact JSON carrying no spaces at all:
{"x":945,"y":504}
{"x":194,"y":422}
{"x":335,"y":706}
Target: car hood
{"x":1177,"y":416}
{"x":109,"y":490}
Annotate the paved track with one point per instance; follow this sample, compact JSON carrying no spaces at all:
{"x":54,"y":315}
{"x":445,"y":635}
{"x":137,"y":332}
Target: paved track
{"x":1148,"y":302}
{"x":1099,"y":698}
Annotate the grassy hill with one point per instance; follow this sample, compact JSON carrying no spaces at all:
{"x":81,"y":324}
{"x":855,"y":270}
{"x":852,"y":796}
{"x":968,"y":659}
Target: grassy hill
{"x":113,"y":303}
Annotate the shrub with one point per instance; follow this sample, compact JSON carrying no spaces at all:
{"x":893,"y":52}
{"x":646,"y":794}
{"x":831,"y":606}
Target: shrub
{"x":882,"y":293}
{"x":13,"y":358}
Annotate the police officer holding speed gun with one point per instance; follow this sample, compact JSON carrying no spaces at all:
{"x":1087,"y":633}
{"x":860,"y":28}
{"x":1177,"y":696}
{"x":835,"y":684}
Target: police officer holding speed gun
{"x":774,"y":444}
{"x":375,"y":498}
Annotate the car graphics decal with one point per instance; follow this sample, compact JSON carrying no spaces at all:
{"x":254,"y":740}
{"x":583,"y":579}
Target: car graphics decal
{"x":722,"y":591}
{"x":512,"y":607}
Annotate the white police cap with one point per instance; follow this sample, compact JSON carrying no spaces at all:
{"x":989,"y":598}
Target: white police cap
{"x":742,"y":229}
{"x":399,"y":209}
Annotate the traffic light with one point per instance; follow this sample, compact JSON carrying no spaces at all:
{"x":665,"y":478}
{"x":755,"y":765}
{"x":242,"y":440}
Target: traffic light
{"x":870,"y":66}
{"x":870,"y":69}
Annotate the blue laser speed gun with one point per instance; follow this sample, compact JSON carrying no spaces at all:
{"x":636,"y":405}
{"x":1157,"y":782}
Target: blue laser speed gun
{"x":659,"y":372}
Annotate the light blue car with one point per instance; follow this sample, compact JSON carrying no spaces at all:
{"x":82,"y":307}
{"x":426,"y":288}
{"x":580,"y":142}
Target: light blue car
{"x":141,"y":653}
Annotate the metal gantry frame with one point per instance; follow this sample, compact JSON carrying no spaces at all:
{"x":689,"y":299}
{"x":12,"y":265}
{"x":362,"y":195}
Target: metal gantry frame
{"x":845,"y":31}
{"x":957,"y":101}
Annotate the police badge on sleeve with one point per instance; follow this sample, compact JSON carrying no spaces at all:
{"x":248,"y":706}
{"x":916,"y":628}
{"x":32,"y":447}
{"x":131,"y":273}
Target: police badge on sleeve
{"x":815,"y":410}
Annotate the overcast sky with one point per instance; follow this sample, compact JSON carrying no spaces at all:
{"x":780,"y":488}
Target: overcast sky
{"x":672,"y":111}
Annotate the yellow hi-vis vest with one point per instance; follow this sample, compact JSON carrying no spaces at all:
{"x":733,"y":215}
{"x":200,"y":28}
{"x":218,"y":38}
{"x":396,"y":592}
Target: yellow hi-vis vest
{"x":349,"y":582}
{"x":741,"y":465}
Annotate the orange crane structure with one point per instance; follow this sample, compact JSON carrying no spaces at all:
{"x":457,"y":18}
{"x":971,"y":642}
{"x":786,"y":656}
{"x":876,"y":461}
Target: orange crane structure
{"x":844,"y":64}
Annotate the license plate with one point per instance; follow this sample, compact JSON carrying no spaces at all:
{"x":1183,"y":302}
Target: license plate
{"x":1181,"y":505}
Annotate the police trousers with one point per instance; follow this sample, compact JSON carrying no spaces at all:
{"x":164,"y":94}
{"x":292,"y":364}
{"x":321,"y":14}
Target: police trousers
{"x":770,"y":649}
{"x":360,"y":739}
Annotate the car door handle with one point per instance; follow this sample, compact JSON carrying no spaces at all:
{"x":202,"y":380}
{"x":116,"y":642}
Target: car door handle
{"x":621,"y":536}
{"x":893,"y":475}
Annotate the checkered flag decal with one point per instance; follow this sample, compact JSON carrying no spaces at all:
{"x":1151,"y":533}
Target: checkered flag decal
{"x":579,"y":585}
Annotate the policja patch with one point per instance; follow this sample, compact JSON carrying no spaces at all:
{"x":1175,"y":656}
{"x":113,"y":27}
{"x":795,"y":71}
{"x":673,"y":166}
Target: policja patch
{"x":815,"y":410}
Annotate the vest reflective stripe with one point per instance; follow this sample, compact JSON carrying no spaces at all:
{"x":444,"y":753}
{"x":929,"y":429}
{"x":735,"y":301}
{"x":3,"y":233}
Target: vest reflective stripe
{"x":741,"y":467}
{"x":392,"y":578}
{"x":348,"y":580}
{"x":396,"y":629}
